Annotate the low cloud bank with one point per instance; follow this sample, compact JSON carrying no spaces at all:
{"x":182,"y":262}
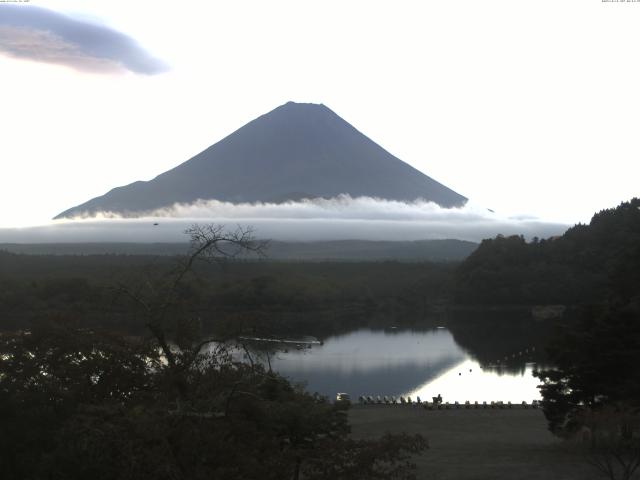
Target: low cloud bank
{"x":42,"y":35}
{"x":341,"y":218}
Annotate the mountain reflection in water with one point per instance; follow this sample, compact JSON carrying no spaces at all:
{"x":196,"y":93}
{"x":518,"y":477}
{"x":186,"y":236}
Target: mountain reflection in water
{"x":468,"y":381}
{"x":402,"y":362}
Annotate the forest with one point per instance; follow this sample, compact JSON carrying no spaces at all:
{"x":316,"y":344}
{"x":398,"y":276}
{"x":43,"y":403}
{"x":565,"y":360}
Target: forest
{"x":287,"y":297}
{"x":585,"y":264}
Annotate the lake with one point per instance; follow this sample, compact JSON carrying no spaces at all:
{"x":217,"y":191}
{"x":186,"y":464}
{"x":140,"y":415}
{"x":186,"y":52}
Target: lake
{"x":407,"y":362}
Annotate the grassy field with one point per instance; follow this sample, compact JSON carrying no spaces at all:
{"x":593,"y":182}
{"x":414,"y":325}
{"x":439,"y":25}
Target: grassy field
{"x":477,"y":444}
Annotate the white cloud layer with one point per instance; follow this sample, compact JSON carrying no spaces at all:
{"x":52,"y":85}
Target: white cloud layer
{"x":319,"y":219}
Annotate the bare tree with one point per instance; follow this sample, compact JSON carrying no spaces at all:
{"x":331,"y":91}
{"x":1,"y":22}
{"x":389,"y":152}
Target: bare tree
{"x":158,"y":298}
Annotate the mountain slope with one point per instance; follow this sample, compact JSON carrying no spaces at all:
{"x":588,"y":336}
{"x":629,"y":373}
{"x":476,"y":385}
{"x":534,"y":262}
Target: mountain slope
{"x":295,"y":151}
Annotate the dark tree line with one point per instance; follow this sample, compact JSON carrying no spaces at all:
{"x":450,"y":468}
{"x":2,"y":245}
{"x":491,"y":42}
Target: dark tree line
{"x":290,"y":297}
{"x":586,"y":264}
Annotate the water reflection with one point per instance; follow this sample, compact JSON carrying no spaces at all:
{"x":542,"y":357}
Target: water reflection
{"x":501,"y":339}
{"x":425,"y":363}
{"x":468,"y":381}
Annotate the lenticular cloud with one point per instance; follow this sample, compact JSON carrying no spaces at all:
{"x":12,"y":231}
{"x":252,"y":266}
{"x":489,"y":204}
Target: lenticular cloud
{"x":43,"y":35}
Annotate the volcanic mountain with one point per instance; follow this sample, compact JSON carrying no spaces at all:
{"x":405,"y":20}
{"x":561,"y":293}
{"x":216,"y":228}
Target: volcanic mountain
{"x":296,"y":151}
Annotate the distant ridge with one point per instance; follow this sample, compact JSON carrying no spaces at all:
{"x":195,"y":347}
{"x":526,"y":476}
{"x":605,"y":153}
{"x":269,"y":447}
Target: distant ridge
{"x":339,"y":250}
{"x":298,"y":150}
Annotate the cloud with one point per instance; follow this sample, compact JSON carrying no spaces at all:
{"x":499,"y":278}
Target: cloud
{"x":42,"y":35}
{"x":339,"y":218}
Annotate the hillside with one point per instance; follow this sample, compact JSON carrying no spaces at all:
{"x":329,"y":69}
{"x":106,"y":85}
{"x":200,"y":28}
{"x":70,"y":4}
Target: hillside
{"x":586,"y":264}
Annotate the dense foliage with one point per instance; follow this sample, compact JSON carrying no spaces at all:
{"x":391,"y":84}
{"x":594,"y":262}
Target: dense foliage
{"x":596,"y":358}
{"x":87,"y":404}
{"x":586,"y":264}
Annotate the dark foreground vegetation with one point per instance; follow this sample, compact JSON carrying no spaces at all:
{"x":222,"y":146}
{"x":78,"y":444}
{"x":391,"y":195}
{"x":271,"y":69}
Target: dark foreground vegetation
{"x":78,"y":402}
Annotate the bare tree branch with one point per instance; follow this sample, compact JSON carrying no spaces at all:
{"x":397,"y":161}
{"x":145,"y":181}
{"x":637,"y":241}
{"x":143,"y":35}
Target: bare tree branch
{"x":212,"y":243}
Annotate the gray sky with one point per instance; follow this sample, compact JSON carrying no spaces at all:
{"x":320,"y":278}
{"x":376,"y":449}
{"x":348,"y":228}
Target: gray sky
{"x":527,"y":108}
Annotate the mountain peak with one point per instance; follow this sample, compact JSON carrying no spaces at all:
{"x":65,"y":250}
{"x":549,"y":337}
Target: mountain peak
{"x":298,"y":150}
{"x":298,"y":108}
{"x":293,"y":104}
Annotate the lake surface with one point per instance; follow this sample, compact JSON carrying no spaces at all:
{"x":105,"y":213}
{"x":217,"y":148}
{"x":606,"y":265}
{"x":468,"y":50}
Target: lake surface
{"x":404,"y":362}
